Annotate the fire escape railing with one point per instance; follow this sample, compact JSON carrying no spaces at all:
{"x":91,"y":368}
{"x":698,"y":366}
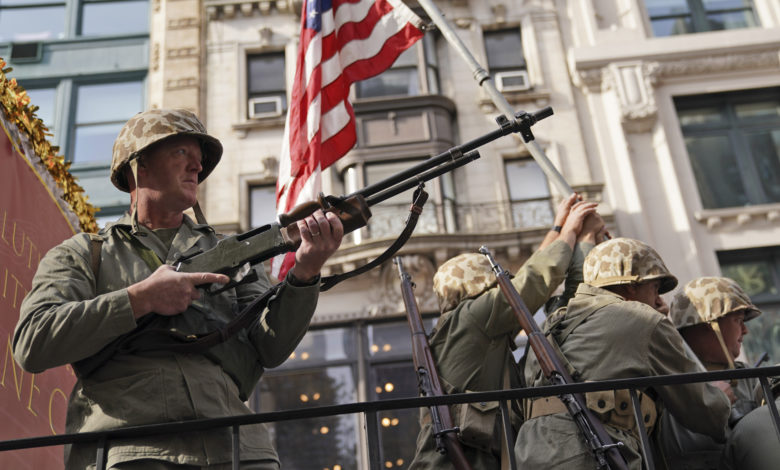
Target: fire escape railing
{"x":369,"y":409}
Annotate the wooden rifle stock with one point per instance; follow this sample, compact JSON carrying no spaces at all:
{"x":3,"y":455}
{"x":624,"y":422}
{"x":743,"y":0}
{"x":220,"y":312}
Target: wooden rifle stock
{"x":601,"y":444}
{"x":428,"y":377}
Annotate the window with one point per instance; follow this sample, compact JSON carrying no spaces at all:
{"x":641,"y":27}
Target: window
{"x":529,"y":194}
{"x":262,"y":204}
{"x":47,"y":20}
{"x":504,"y":49}
{"x":757,"y":271}
{"x":414,"y":73}
{"x":671,"y":17}
{"x":733,"y":142}
{"x":324,"y":370}
{"x":266,"y":89}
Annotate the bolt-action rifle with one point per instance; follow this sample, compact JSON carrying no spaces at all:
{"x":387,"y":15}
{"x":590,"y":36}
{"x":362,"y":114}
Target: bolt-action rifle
{"x":602,"y":446}
{"x":428,"y":381}
{"x":233,"y":255}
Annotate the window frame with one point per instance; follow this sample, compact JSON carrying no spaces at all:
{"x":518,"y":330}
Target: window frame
{"x":736,"y":130}
{"x":699,"y":17}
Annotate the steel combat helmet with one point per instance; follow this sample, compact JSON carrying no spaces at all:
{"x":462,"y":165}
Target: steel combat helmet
{"x":152,"y":126}
{"x":707,"y":299}
{"x":625,"y":261}
{"x":463,"y":277}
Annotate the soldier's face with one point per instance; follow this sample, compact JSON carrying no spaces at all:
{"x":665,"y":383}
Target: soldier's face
{"x":648,"y":293}
{"x":733,"y":329}
{"x":169,"y":172}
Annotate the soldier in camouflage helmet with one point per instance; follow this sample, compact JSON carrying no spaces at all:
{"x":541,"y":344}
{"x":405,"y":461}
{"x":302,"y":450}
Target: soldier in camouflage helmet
{"x":616,"y":327}
{"x":710,"y":314}
{"x":94,"y":296}
{"x":474,"y":338}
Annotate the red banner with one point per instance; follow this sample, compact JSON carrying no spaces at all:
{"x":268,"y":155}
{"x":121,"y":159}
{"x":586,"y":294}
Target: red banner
{"x":31,"y":222}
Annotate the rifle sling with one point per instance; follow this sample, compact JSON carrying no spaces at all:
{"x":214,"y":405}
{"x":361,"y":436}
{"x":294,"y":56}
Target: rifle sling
{"x":420,"y":197}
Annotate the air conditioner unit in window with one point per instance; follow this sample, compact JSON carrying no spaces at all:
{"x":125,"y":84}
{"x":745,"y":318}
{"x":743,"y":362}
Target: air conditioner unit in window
{"x":264,"y":107}
{"x":516,"y":80}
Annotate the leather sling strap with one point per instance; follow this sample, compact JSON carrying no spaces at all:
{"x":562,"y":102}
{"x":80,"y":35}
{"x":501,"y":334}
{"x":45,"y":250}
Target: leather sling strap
{"x":420,"y":197}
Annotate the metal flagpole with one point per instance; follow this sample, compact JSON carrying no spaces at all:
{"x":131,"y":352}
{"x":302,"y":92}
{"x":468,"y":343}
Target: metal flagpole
{"x":484,"y":80}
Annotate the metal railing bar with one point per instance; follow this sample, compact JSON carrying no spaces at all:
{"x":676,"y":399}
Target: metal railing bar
{"x":770,"y":403}
{"x":372,"y":434}
{"x":236,"y":447}
{"x":390,"y":404}
{"x":508,"y":441}
{"x":644,"y":441}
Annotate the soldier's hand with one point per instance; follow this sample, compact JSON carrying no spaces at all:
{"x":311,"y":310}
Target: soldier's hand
{"x":167,"y":292}
{"x":726,"y":387}
{"x":564,"y":207}
{"x":593,"y":229}
{"x":579,"y":212}
{"x":321,"y":235}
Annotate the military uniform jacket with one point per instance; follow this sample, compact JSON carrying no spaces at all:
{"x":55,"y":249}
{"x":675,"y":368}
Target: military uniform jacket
{"x":472,"y":346}
{"x":71,"y":314}
{"x":617,"y":339}
{"x":753,"y":443}
{"x":682,"y":449}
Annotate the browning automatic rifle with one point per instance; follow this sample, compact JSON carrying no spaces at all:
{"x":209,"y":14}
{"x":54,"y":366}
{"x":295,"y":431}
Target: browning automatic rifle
{"x":604,"y":449}
{"x":231,"y":255}
{"x":428,"y":381}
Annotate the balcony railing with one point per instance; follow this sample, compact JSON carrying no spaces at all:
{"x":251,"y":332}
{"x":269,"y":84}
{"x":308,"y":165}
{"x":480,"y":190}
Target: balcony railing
{"x":370,"y":409}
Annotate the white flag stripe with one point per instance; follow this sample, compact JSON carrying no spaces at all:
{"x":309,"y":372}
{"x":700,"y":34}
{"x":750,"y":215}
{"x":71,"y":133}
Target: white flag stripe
{"x":360,"y":49}
{"x":406,"y":14}
{"x":327,"y":25}
{"x":334,"y":120}
{"x":348,"y":12}
{"x":312,"y":58}
{"x":369,"y":47}
{"x":313,"y":118}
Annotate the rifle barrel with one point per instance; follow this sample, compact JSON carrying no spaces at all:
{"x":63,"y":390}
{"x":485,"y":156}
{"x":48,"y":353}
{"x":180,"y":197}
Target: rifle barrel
{"x":414,"y":180}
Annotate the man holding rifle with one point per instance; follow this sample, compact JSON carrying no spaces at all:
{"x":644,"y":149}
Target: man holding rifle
{"x":109,"y":304}
{"x":616,"y":327}
{"x":473,"y":341}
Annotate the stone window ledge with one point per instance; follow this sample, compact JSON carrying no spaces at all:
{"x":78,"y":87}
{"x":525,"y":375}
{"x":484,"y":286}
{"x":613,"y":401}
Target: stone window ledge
{"x":741,"y":216}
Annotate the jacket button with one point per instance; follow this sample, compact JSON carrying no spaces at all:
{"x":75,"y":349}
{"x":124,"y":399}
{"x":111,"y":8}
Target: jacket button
{"x":601,"y":404}
{"x":623,"y":405}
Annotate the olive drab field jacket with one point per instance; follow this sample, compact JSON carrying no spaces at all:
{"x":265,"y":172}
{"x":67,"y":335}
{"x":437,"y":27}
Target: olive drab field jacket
{"x":615,"y":339}
{"x":72,"y":314}
{"x":472,"y":346}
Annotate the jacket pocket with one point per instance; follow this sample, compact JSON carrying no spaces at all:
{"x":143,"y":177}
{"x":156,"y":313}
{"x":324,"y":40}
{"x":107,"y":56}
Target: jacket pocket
{"x":125,"y":401}
{"x":477,"y":423}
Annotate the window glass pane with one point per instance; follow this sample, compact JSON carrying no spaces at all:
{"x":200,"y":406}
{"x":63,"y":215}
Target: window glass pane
{"x":94,"y":143}
{"x":32,"y":24}
{"x":765,"y":109}
{"x":44,"y":99}
{"x":504,"y":49}
{"x":702,"y":115}
{"x":526,"y":180}
{"x":397,"y":428}
{"x":114,"y":18}
{"x":755,"y":277}
{"x":672,"y":26}
{"x":717,"y":173}
{"x":266,"y":73}
{"x":317,"y":346}
{"x":765,"y":149}
{"x":666,"y":7}
{"x":262,"y":205}
{"x":711,"y":5}
{"x":317,"y":443}
{"x":402,"y":82}
{"x":126,"y":99}
{"x":730,"y":20}
{"x":97,"y":186}
{"x":392,"y":340}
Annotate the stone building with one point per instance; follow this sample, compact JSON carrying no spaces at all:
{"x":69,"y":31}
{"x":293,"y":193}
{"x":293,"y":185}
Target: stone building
{"x":667,"y":112}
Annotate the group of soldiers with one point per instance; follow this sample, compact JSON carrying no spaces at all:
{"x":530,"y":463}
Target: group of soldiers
{"x":609,"y":322}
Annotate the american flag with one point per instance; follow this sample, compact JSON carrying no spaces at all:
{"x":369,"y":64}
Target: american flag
{"x":342,"y":41}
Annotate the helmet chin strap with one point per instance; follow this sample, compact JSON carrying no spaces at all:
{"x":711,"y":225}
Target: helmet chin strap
{"x":199,"y":214}
{"x":716,"y":328}
{"x":134,"y":210}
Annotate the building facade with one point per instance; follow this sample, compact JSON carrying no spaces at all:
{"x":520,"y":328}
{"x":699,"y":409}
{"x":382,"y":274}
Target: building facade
{"x":666,"y":111}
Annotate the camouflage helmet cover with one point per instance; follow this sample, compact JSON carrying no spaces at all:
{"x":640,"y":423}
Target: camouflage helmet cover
{"x":706,"y":299}
{"x":463,"y":277}
{"x":626,"y":261}
{"x":152,"y":126}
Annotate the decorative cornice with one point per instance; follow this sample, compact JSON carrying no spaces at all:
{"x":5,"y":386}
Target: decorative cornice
{"x":231,"y":9}
{"x":717,"y":63}
{"x":739,"y":217}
